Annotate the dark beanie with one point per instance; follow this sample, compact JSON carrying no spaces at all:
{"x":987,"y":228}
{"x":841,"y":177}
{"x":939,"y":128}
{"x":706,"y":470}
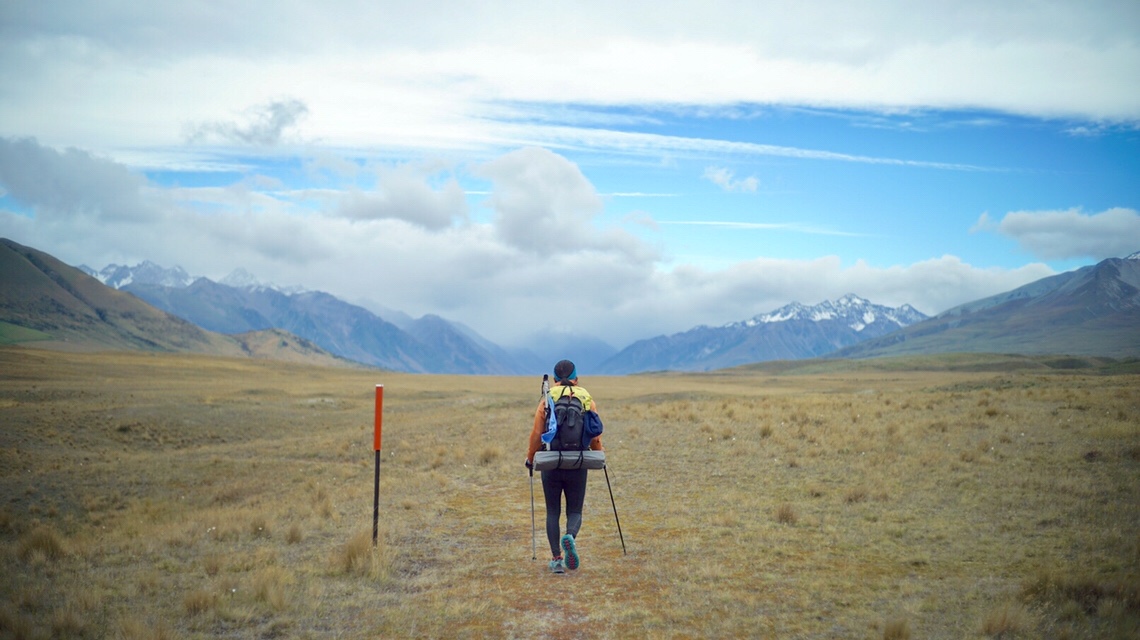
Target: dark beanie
{"x":565,"y":370}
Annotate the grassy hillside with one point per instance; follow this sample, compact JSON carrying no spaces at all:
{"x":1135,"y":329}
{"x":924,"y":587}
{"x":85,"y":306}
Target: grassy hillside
{"x":78,"y":312}
{"x":50,"y":305}
{"x":955,"y":362}
{"x":164,"y":496}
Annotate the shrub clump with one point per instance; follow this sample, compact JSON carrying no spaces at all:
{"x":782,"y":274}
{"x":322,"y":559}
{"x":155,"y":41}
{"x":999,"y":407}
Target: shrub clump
{"x":41,"y":541}
{"x":355,"y":555}
{"x":786,"y":514}
{"x":897,"y":629}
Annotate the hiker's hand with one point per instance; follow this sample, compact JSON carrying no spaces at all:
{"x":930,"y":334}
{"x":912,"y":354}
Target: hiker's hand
{"x":529,"y":464}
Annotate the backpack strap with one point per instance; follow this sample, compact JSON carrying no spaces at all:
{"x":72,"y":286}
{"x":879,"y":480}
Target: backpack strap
{"x":577,"y":464}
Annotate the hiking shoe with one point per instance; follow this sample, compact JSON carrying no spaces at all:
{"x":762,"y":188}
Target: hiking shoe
{"x":571,"y":552}
{"x":557,"y":565}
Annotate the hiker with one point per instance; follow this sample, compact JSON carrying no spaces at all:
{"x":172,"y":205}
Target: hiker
{"x":555,"y":482}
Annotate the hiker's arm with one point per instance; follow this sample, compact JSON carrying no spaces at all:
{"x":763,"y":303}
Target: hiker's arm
{"x":596,"y":442}
{"x":536,"y":433}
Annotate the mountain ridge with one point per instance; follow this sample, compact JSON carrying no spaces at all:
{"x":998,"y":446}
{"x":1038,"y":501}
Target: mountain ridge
{"x":1090,"y":311}
{"x":792,"y":332}
{"x":1093,"y":310}
{"x":53,"y":305}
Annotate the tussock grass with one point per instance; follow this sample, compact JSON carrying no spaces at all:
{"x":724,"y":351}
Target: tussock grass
{"x":1008,"y":620}
{"x":490,"y":454}
{"x":271,"y":586}
{"x":786,"y":514}
{"x":357,"y":556}
{"x":135,"y":628}
{"x":167,"y":496}
{"x":896,"y":629}
{"x":39,"y":544}
{"x":198,"y":602}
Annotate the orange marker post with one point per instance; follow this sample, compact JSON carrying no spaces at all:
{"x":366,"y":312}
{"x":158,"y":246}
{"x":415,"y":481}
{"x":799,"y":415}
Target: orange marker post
{"x":376,"y":448}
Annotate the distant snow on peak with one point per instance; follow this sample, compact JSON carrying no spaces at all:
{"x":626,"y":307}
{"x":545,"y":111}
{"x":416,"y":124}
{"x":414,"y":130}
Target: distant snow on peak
{"x":852,"y":310}
{"x":1134,"y":256}
{"x":146,"y":272}
{"x":239,"y":279}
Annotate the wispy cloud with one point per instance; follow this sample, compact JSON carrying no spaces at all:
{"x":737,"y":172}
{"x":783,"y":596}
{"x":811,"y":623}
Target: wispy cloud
{"x":657,"y":145}
{"x":637,"y":194}
{"x":766,"y":226}
{"x":726,"y":179}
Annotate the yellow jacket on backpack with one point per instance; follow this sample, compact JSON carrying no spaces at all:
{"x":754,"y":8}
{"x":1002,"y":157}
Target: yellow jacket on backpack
{"x":556,"y":392}
{"x":560,"y":390}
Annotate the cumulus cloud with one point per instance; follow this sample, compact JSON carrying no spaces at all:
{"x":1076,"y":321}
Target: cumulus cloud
{"x":542,"y":201}
{"x":72,"y":182}
{"x":1070,"y":233}
{"x":496,"y":277}
{"x":726,"y":179}
{"x":403,"y":193}
{"x":90,"y":208}
{"x":263,"y":125}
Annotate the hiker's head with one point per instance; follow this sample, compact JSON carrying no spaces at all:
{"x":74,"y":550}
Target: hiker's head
{"x":565,"y":371}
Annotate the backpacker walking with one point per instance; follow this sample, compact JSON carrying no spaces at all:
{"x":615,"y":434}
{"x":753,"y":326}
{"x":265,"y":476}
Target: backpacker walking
{"x":571,"y":402}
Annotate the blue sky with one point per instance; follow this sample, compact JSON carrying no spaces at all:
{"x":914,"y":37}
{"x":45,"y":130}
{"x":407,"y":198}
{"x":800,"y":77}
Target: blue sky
{"x":701,"y":164}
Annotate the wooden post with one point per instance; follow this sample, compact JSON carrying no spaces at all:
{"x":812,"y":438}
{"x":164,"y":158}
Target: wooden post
{"x":376,"y":448}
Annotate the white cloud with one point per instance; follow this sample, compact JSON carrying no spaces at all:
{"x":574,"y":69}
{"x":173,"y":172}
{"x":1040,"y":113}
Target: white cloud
{"x":90,"y":186}
{"x":542,"y":201}
{"x":726,"y":179}
{"x":1071,"y":233}
{"x":443,"y":75}
{"x":545,"y":262}
{"x":264,"y":125}
{"x":403,"y":193}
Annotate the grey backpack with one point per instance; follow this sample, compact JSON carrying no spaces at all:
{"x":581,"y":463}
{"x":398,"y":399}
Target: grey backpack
{"x":568,"y":414}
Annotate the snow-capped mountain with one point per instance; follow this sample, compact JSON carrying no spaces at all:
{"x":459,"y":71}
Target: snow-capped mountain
{"x":792,"y":332}
{"x":1094,"y":311}
{"x":851,"y":310}
{"x":241,"y":279}
{"x":241,"y":303}
{"x":146,"y":272}
{"x":118,"y":276}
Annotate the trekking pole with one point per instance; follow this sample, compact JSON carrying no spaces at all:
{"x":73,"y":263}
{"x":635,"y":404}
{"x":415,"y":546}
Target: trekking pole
{"x":533,"y":543}
{"x":623,"y":551}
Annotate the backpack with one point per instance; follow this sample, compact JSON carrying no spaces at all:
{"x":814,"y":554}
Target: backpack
{"x":568,"y":413}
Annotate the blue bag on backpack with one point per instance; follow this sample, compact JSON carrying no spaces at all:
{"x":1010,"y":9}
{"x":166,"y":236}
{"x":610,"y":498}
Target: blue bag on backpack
{"x":591,"y":427}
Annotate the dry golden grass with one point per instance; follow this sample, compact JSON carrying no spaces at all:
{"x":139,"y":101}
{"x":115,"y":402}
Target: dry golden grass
{"x":146,"y":496}
{"x":1008,"y":621}
{"x":896,"y":629}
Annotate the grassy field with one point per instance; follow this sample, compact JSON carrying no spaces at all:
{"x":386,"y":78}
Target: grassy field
{"x":147,"y":496}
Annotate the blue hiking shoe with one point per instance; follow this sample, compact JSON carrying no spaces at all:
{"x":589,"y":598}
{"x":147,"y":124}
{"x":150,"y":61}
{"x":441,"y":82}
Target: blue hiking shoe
{"x":570,"y":552}
{"x":557,"y":565}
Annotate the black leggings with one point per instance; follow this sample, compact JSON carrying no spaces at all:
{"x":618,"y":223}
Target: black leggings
{"x":554,"y":483}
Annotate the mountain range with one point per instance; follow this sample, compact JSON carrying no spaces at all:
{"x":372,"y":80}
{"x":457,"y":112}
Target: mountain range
{"x":433,"y":344}
{"x":1089,"y":311}
{"x":1093,"y":311}
{"x":429,"y":345}
{"x":792,"y":332}
{"x":47,"y":303}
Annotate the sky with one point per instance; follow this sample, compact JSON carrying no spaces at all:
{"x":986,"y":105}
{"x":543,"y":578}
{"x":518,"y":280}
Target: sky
{"x":589,"y":169}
